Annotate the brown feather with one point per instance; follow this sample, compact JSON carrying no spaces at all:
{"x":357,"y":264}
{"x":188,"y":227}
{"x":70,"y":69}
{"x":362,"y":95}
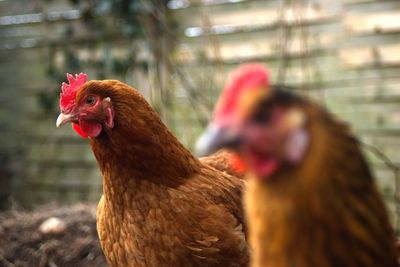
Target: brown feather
{"x":161,"y":206}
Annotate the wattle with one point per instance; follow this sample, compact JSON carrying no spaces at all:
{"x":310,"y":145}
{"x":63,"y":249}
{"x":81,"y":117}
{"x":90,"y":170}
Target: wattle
{"x":78,"y":130}
{"x":263,"y":166}
{"x":88,"y":128}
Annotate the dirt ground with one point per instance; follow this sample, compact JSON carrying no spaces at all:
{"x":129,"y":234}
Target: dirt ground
{"x":74,"y":243}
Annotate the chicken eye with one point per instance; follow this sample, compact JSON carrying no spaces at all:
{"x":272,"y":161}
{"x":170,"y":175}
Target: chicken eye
{"x":262,"y":116}
{"x":90,"y":100}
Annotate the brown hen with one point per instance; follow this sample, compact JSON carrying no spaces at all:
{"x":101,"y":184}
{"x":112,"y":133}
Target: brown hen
{"x":160,"y":205}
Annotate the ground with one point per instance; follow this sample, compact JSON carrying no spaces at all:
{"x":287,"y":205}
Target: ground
{"x":24,"y":243}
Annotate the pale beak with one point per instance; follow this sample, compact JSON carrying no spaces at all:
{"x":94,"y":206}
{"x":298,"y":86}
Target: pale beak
{"x":64,"y":118}
{"x":215,"y":138}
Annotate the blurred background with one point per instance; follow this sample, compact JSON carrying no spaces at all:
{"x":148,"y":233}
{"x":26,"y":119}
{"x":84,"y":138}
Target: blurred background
{"x":344,"y":53}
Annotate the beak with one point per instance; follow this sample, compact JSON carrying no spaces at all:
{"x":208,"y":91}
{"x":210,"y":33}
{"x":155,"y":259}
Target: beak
{"x":64,"y":118}
{"x":214,"y":138}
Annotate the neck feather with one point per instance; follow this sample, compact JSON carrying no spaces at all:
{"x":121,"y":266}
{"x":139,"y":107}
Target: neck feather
{"x":141,"y":147}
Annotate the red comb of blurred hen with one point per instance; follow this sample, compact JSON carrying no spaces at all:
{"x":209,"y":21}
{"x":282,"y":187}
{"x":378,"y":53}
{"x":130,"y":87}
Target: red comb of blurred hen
{"x":69,"y":90}
{"x":248,"y":76}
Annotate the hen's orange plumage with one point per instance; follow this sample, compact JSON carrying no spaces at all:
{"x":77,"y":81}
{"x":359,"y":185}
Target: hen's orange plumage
{"x":160,"y":205}
{"x":311,"y":199}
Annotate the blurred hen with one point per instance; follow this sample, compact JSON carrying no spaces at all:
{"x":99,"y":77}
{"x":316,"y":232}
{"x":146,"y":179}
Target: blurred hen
{"x":311,"y":199}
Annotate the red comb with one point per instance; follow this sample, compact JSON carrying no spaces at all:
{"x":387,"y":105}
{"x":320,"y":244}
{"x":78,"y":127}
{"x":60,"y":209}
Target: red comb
{"x":247,"y":76}
{"x":69,"y":90}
